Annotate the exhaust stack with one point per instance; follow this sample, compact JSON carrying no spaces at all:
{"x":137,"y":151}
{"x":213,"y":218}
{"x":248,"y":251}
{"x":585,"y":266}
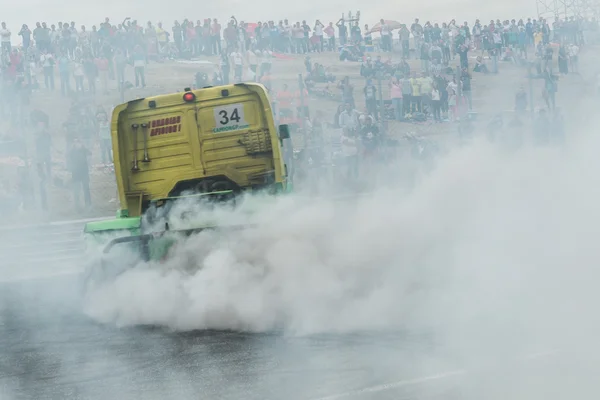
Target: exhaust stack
{"x":146,"y":158}
{"x":135,"y":149}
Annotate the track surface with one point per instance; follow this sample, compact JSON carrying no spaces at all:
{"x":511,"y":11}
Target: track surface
{"x":50,"y":350}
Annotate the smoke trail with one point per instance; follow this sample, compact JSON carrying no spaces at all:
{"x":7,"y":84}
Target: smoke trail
{"x":489,"y":241}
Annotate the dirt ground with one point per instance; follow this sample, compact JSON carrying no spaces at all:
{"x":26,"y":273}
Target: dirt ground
{"x":492,"y":94}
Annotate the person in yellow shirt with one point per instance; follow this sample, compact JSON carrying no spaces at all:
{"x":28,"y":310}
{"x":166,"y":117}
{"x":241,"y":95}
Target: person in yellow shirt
{"x":162,"y":37}
{"x":426,"y":87}
{"x":537,"y":37}
{"x":415,"y":100}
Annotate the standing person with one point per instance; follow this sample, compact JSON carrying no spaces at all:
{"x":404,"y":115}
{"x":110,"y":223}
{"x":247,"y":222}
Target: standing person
{"x":396,"y":97}
{"x":306,"y":35}
{"x":225,"y":68}
{"x":415,"y":100}
{"x":105,"y":138}
{"x":463,"y":51}
{"x":465,"y":79}
{"x":550,"y":89}
{"x":405,"y":83}
{"x":5,"y":39}
{"x":78,"y":161}
{"x":178,"y":36}
{"x":238,"y":64}
{"x":386,"y":36}
{"x":64,"y":69}
{"x":347,"y":91}
{"x":452,"y":90}
{"x":47,"y":61}
{"x":330,"y":31}
{"x":206,"y":39}
{"x":348,"y":119}
{"x":417,"y":31}
{"x":435,"y":102}
{"x":90,"y":70}
{"x":404,"y":36}
{"x":139,"y":66}
{"x":230,"y":34}
{"x":252,"y":60}
{"x":162,"y":37}
{"x":342,"y":31}
{"x":574,"y":57}
{"x":319,"y":34}
{"x":349,"y":144}
{"x":25,"y":33}
{"x":78,"y":74}
{"x":41,"y":37}
{"x":370,"y":92}
{"x":216,"y":37}
{"x":563,"y":60}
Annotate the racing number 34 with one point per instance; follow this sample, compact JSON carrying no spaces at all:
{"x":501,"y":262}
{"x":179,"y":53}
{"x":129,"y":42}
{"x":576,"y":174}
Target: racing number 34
{"x":229,"y":115}
{"x":229,"y":118}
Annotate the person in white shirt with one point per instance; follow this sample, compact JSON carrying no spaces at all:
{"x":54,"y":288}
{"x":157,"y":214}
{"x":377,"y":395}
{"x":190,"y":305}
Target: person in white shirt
{"x":436,"y":102}
{"x":54,"y":34}
{"x":348,"y":119}
{"x":252,"y":59}
{"x":47,"y":61}
{"x":288,"y":35}
{"x":386,"y":36}
{"x":78,"y":74}
{"x":238,"y":63}
{"x":574,"y":56}
{"x":319,"y":34}
{"x":5,"y":39}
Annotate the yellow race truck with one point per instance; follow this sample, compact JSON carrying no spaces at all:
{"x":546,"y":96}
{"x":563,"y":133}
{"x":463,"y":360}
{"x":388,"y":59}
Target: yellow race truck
{"x":215,"y":142}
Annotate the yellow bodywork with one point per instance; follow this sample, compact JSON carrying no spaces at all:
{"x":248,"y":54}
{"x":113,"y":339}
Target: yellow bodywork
{"x":227,"y":131}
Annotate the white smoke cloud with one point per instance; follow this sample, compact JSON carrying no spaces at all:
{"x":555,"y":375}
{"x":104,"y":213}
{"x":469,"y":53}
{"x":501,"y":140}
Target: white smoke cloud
{"x":489,"y":245}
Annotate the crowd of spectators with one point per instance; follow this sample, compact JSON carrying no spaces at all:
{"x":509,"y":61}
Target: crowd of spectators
{"x":85,"y":62}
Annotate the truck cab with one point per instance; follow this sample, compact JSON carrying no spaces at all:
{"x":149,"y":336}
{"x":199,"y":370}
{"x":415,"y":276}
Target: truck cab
{"x":216,"y":142}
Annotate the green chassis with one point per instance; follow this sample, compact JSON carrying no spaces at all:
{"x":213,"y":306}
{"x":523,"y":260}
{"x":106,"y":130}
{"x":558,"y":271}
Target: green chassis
{"x":150,"y":246}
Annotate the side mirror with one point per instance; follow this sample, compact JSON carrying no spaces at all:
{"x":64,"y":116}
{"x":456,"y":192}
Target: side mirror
{"x":284,"y":132}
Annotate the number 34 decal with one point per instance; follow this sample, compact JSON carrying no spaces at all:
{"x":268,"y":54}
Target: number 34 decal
{"x":226,"y":117}
{"x":229,"y":118}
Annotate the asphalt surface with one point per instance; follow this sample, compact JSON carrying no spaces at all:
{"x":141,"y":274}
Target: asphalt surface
{"x":50,"y":350}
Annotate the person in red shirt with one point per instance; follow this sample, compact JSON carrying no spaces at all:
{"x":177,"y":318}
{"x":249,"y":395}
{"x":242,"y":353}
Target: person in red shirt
{"x":216,"y":37}
{"x":190,"y":36}
{"x":230,"y":37}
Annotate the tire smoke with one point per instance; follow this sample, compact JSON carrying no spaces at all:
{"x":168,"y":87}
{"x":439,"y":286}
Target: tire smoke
{"x":488,"y":244}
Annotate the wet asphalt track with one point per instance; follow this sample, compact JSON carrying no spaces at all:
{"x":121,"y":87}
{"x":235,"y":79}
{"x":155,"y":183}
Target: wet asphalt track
{"x":50,"y":350}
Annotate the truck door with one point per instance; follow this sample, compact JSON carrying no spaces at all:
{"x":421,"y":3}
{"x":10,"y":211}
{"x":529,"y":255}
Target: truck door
{"x":235,"y":140}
